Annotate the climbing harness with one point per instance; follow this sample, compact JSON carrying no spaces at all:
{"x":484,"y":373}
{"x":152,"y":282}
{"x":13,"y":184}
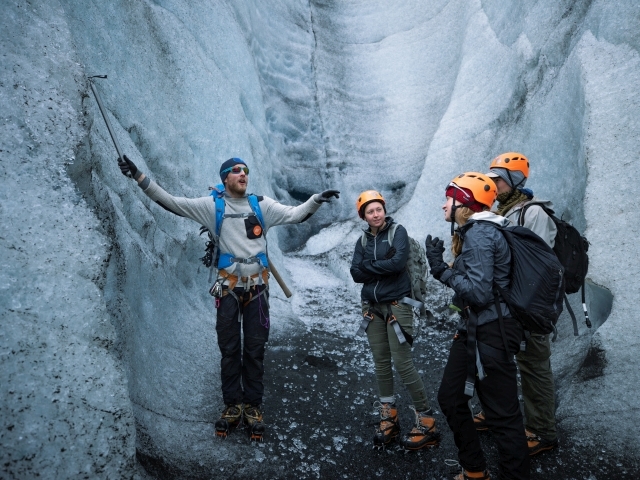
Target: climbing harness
{"x":370,"y":313}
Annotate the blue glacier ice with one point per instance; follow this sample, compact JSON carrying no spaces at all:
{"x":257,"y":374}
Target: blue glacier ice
{"x":107,"y":343}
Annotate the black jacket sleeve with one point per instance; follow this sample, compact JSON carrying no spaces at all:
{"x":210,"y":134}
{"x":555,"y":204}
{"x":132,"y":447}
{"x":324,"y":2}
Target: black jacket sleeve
{"x":359,"y":275}
{"x":395,"y":264}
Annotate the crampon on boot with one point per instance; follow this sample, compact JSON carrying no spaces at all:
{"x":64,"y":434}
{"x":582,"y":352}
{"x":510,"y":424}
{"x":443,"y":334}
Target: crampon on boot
{"x":229,"y":419}
{"x":389,"y":427}
{"x":424,"y":434}
{"x":466,"y":475}
{"x":253,"y":421}
{"x":480,"y":422}
{"x":538,"y":444}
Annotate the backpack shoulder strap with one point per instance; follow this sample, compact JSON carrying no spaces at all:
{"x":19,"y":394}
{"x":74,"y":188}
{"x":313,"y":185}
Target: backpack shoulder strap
{"x":254,"y":203}
{"x":392,"y":233}
{"x":217,"y":193}
{"x":546,"y":209}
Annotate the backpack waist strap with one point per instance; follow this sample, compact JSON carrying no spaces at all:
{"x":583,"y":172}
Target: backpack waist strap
{"x":412,"y":302}
{"x":227,"y":259}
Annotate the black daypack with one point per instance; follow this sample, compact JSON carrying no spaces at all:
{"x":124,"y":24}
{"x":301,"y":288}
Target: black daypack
{"x":571,"y":249}
{"x":536,"y":287}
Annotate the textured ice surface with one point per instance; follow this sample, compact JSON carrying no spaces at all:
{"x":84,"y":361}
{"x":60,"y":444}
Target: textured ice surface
{"x":64,"y":405}
{"x":96,"y":280}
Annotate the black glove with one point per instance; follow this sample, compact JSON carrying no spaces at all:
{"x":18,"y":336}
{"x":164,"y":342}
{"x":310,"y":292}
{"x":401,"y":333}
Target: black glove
{"x":128,"y":168}
{"x":325,"y":196}
{"x":435,"y":249}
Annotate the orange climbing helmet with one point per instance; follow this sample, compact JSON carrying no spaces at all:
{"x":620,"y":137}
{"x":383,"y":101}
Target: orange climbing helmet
{"x":366,"y":197}
{"x":474,"y":190}
{"x":512,"y":167}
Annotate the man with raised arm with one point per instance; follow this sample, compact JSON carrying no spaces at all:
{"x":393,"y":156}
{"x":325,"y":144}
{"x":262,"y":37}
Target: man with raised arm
{"x":241,"y":287}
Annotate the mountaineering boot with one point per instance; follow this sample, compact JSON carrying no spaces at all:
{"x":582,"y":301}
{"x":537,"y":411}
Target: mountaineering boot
{"x":230,"y":418}
{"x":480,"y":422}
{"x":538,"y":444}
{"x":253,"y":421}
{"x":389,"y":427}
{"x":466,"y":475}
{"x":424,"y":434}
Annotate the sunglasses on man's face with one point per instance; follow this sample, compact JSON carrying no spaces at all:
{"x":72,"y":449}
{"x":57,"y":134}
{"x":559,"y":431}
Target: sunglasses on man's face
{"x":236,"y":169}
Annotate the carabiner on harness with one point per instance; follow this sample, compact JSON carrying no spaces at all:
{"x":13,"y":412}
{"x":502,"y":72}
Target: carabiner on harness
{"x":216,"y":289}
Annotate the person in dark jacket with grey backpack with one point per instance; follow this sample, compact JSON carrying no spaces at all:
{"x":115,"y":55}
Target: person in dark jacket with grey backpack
{"x":482,"y":353}
{"x":380,"y":265}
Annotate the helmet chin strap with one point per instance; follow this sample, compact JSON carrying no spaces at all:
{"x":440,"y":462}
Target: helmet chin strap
{"x":453,"y":217}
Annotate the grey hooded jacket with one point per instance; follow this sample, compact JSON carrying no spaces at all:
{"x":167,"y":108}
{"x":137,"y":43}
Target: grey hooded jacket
{"x":535,"y":219}
{"x":485,"y":260}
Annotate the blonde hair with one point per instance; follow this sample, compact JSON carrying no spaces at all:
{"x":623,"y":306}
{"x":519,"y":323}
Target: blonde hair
{"x":462,"y":216}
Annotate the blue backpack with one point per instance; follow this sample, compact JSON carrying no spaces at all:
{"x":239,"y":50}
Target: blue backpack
{"x":212,"y":255}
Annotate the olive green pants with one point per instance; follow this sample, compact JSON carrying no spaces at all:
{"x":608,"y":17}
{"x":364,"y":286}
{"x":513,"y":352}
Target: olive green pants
{"x":537,"y":387}
{"x":386,"y":347}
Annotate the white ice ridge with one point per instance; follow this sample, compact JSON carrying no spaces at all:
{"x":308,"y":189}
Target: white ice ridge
{"x":107,"y":338}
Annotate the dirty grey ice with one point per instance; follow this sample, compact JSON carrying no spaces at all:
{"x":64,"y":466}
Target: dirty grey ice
{"x":107,"y":338}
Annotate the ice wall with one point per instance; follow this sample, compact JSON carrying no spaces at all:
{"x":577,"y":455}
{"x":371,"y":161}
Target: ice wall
{"x":64,"y":405}
{"x":353,"y":95}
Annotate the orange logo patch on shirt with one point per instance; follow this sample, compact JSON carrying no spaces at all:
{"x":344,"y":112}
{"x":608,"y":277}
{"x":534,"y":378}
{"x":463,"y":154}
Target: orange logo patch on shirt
{"x":257,"y":230}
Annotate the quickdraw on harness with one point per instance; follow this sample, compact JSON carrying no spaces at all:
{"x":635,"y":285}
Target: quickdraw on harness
{"x":390,"y":318}
{"x":220,"y":261}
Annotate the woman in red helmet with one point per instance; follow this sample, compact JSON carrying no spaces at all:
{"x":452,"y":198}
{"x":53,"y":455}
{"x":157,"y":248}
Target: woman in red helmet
{"x":379,"y":264}
{"x":481,"y":356}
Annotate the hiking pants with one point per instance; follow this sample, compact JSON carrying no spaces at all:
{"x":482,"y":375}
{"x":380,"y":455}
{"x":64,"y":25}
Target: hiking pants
{"x":241,"y":371}
{"x":386,"y":347}
{"x":498,"y":393}
{"x":537,"y":387}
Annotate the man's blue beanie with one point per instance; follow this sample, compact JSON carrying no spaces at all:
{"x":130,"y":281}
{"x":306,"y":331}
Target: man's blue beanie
{"x":227,"y":164}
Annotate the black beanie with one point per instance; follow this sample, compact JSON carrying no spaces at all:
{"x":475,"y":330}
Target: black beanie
{"x":228,"y":164}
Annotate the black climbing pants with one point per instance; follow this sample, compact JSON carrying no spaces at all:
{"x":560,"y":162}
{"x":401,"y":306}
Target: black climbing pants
{"x":242,"y":366}
{"x":498,"y":393}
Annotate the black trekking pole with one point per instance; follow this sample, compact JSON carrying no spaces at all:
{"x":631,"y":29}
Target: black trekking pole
{"x":106,"y":119}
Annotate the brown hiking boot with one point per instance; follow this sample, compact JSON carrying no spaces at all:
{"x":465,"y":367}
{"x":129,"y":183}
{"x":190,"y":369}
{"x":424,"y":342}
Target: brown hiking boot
{"x":253,"y":420}
{"x":231,"y":416}
{"x":466,"y":475}
{"x":538,"y":444}
{"x":424,"y":434}
{"x":480,"y":422}
{"x":389,"y":427}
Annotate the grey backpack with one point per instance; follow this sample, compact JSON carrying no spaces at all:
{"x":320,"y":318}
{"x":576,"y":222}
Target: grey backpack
{"x":416,"y":268}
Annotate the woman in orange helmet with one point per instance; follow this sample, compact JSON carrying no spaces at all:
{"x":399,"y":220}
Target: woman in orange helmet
{"x":378,"y":263}
{"x":481,"y":356}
